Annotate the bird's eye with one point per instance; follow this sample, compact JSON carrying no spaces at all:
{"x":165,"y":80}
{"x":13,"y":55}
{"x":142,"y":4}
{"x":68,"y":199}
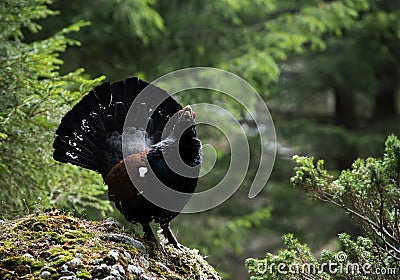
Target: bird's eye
{"x":180,"y":112}
{"x":194,"y":115}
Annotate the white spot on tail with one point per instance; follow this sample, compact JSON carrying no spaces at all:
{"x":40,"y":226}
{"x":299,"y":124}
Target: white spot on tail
{"x":142,"y":171}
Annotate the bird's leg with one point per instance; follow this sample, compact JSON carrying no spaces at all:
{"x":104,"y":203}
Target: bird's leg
{"x":148,"y":234}
{"x":167,"y":233}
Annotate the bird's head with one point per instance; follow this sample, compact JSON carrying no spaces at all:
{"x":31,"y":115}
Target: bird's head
{"x":186,"y":115}
{"x":185,"y":123}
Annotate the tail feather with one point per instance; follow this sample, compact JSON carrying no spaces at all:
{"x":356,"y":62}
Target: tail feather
{"x":79,"y":148}
{"x":120,"y":112}
{"x":90,"y":110}
{"x":75,"y":126}
{"x":90,"y":135}
{"x":71,"y":131}
{"x":64,"y":153}
{"x":102,"y":94}
{"x":112,"y":124}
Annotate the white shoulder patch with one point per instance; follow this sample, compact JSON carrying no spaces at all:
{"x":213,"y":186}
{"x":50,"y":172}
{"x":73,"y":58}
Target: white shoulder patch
{"x":142,"y":171}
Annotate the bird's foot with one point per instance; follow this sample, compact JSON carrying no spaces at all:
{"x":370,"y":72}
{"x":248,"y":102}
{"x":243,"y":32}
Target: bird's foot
{"x":157,"y":247}
{"x":167,"y":238}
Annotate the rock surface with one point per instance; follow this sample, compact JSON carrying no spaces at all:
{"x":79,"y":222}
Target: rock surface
{"x":55,"y":246}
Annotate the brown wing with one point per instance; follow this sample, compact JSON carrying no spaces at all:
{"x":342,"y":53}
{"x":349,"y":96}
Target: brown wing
{"x":120,"y":186}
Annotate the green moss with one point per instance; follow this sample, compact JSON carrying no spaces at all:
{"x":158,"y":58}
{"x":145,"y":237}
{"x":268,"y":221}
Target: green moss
{"x":37,"y":224}
{"x":56,"y":237}
{"x":130,"y":249}
{"x":83,"y":274}
{"x":66,"y":237}
{"x":77,"y":236}
{"x":12,"y":262}
{"x":16,"y":262}
{"x":37,"y":265}
{"x":156,"y":268}
{"x":5,"y":246}
{"x":61,"y":258}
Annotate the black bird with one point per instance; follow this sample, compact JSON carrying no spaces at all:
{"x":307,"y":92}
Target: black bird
{"x":90,"y":135}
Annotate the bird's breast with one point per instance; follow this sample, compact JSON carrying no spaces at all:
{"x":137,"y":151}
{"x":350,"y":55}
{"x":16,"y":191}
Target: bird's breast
{"x":120,"y":186}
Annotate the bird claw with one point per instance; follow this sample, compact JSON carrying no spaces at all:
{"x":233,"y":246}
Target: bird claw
{"x":178,"y":246}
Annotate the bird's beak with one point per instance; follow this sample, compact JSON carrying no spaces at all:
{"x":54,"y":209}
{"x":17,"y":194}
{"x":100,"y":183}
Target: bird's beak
{"x":188,"y":111}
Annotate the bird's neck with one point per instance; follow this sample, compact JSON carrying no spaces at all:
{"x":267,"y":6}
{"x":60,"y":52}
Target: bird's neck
{"x":189,"y":149}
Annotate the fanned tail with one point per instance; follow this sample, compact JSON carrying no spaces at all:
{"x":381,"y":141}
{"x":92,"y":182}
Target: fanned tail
{"x":90,"y":135}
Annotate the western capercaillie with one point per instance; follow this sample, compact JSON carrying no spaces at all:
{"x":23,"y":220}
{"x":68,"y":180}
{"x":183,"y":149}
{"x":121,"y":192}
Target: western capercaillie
{"x":92,"y":135}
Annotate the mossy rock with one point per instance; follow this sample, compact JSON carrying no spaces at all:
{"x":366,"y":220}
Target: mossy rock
{"x":55,"y":246}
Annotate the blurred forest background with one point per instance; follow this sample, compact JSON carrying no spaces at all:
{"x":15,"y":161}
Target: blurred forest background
{"x":328,"y":71}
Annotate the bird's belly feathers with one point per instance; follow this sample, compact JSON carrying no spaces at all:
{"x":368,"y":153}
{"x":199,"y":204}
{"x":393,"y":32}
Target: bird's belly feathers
{"x":133,"y":205}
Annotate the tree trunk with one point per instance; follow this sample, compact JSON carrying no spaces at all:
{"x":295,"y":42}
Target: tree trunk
{"x":346,"y":117}
{"x":345,"y":114}
{"x":385,"y":103}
